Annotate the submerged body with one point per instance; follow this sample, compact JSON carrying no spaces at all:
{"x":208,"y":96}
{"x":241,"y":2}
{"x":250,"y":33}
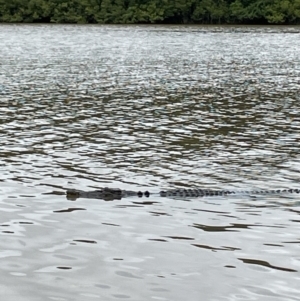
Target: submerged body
{"x":117,"y":194}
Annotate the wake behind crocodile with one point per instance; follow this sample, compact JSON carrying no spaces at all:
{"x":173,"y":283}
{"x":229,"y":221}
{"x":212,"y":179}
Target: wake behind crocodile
{"x":116,"y":193}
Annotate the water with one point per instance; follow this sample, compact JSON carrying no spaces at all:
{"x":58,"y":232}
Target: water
{"x":149,"y":108}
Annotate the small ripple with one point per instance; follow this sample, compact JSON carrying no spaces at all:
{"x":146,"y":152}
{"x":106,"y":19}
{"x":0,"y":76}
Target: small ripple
{"x":110,"y":224}
{"x":180,"y":237}
{"x":265,"y":264}
{"x":215,"y":248}
{"x":207,"y":228}
{"x":85,"y":241}
{"x":68,"y":210}
{"x":127,"y":275}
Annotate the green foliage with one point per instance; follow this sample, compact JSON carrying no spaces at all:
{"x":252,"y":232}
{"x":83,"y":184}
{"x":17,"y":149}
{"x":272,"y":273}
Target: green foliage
{"x":283,"y":11}
{"x":237,"y":11}
{"x":152,"y":11}
{"x":256,"y":10}
{"x":39,"y":10}
{"x":69,"y":12}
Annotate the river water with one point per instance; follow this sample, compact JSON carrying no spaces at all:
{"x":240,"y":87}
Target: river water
{"x":149,"y":108}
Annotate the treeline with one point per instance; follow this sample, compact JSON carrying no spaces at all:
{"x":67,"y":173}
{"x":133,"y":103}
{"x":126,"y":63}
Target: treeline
{"x":152,"y":11}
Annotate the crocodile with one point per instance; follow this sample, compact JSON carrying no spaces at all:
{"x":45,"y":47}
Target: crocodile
{"x":117,"y":194}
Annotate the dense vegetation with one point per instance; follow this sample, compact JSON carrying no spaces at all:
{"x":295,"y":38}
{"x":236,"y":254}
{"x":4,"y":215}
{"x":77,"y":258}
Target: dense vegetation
{"x":152,"y":11}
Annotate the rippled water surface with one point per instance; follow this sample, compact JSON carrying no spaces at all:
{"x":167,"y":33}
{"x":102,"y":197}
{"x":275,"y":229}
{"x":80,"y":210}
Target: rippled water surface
{"x":149,"y":108}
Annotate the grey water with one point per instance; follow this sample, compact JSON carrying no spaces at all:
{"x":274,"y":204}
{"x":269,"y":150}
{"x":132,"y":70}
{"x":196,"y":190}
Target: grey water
{"x":149,"y":108}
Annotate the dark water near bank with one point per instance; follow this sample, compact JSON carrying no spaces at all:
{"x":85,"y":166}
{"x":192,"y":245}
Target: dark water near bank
{"x":145,"y":108}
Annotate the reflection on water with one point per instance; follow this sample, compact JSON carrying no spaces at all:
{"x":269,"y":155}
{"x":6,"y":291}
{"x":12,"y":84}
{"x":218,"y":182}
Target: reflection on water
{"x":149,"y":108}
